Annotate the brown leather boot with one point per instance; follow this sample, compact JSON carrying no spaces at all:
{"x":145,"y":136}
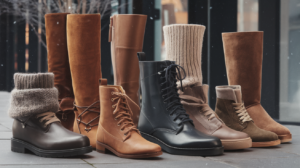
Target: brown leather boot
{"x":230,"y":108}
{"x":243,"y":57}
{"x":58,"y":63}
{"x":83,"y":35}
{"x":126,"y":35}
{"x":117,"y":132}
{"x":195,"y":102}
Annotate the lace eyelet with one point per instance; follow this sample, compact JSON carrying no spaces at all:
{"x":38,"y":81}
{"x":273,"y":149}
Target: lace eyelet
{"x":112,"y":99}
{"x":121,"y":130}
{"x":116,"y":119}
{"x":125,"y":134}
{"x":118,"y":125}
{"x":112,"y":93}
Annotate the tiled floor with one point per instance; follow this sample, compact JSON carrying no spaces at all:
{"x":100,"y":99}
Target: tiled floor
{"x":285,"y":155}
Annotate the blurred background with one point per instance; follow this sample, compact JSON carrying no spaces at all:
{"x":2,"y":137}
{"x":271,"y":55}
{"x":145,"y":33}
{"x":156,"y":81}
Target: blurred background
{"x":22,"y":39}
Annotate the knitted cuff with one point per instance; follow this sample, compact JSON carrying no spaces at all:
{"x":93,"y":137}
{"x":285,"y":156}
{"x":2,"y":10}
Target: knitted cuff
{"x":184,"y":46}
{"x":33,"y":94}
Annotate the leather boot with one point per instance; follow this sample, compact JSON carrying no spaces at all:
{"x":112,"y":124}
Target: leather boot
{"x":184,"y":45}
{"x":243,"y":57}
{"x":126,"y":35}
{"x":58,"y":63}
{"x":117,"y":132}
{"x":83,"y":35}
{"x":230,"y":108}
{"x":36,"y":127}
{"x":163,"y":119}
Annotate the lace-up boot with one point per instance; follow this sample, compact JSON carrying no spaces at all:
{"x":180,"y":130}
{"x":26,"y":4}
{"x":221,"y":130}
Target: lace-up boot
{"x":163,"y":119}
{"x":117,"y":132}
{"x":36,"y":127}
{"x":195,"y":102}
{"x":230,"y":108}
{"x":83,"y":36}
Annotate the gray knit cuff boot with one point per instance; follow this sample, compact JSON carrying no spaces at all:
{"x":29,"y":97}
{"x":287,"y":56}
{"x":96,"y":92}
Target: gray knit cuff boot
{"x":184,"y":46}
{"x":33,"y":94}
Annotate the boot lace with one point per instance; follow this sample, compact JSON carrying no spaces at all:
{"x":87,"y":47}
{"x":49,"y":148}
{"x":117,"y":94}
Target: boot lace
{"x":170,"y":91}
{"x":124,"y":113}
{"x":206,"y":110}
{"x":87,"y":109}
{"x":49,"y":117}
{"x":242,"y":112}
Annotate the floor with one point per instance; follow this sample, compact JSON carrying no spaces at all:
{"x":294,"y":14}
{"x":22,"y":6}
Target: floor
{"x":285,"y":155}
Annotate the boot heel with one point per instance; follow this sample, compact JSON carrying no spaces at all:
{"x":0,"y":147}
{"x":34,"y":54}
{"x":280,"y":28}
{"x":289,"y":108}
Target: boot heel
{"x":100,"y":149}
{"x":17,"y":147}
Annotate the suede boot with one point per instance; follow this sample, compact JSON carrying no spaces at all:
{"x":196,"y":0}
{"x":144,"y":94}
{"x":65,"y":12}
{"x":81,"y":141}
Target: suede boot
{"x":83,"y":35}
{"x":243,"y":57}
{"x":230,"y":108}
{"x":58,"y":63}
{"x":184,"y":45}
{"x":117,"y":132}
{"x":126,"y":35}
{"x":36,"y":127}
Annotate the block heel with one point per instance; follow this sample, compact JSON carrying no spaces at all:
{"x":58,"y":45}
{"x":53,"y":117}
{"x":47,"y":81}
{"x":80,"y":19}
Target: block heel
{"x":17,"y":147}
{"x":100,"y":148}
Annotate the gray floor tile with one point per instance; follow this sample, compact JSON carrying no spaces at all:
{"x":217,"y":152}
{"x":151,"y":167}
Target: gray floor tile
{"x":5,"y":135}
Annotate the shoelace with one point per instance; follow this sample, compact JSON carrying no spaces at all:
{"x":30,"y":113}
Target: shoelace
{"x":242,"y":112}
{"x":171,"y":75}
{"x":88,"y":127}
{"x":124,"y":113}
{"x":206,"y":110}
{"x":49,"y":117}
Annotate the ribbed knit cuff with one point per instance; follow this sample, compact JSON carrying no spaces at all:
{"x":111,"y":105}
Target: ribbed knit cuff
{"x":33,"y":94}
{"x":184,"y":46}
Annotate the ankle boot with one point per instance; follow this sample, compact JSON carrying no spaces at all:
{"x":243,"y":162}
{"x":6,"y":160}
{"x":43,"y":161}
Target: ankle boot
{"x":83,"y":35}
{"x":36,"y":127}
{"x":163,"y":119}
{"x":194,"y":97}
{"x":243,"y":57}
{"x":230,"y":108}
{"x":117,"y":132}
{"x":58,"y":63}
{"x":127,"y":37}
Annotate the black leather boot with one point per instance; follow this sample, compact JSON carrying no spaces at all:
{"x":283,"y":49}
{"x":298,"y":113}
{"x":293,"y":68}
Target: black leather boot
{"x":36,"y":127}
{"x":163,"y":119}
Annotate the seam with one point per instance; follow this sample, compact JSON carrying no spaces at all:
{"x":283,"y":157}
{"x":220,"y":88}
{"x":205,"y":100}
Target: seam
{"x":110,"y":134}
{"x":252,"y":105}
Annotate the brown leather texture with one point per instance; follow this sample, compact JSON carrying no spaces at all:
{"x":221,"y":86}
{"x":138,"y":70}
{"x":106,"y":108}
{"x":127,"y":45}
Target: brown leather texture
{"x":243,"y":58}
{"x":127,"y":37}
{"x":110,"y":130}
{"x":214,"y":126}
{"x":226,"y":112}
{"x":58,"y":63}
{"x":83,"y":36}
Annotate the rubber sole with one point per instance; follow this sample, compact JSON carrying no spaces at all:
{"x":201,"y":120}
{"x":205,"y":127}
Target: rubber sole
{"x":285,"y":138}
{"x":184,"y":151}
{"x":102,"y":148}
{"x":265,"y":144}
{"x":236,"y":144}
{"x":24,"y":147}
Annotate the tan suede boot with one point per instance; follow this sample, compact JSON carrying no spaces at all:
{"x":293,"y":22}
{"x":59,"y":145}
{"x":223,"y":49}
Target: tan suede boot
{"x":243,"y":57}
{"x":83,"y":34}
{"x":127,"y":37}
{"x":117,"y":132}
{"x":230,"y":108}
{"x":58,"y":63}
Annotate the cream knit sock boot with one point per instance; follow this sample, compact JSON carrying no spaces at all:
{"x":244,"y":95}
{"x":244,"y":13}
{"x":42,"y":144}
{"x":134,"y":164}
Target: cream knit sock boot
{"x":184,"y":46}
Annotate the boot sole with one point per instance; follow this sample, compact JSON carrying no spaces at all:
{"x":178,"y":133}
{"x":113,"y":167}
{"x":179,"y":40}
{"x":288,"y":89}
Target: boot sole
{"x":102,"y":148}
{"x":285,"y":138}
{"x":236,"y":144}
{"x":184,"y":151}
{"x":24,"y":147}
{"x":265,"y":144}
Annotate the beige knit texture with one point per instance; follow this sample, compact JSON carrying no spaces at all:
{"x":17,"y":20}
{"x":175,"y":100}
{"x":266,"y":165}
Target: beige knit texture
{"x":33,"y":94}
{"x":184,"y":46}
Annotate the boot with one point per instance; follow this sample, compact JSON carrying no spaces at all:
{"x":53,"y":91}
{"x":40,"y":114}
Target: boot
{"x":183,"y":45}
{"x":58,"y":63}
{"x":83,"y":35}
{"x":163,"y":119}
{"x":127,"y":37}
{"x":243,"y":57}
{"x":36,"y":127}
{"x":230,"y":108}
{"x":117,"y":132}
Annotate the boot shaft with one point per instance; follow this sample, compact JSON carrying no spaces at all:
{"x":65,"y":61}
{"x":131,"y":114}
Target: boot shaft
{"x":243,"y":58}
